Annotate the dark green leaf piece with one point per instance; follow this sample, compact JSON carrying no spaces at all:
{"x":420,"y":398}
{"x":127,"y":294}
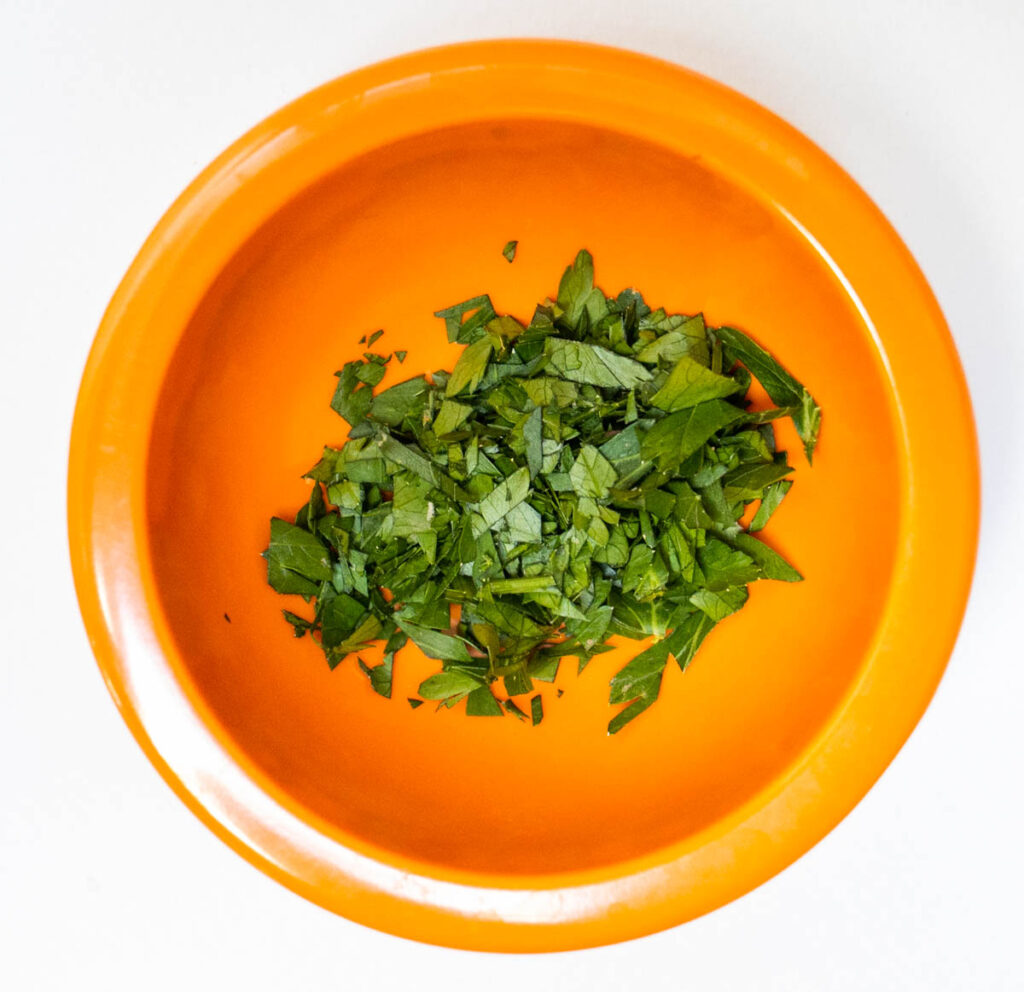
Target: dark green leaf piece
{"x":536,"y":710}
{"x":379,"y":675}
{"x":481,"y":702}
{"x":778,"y":384}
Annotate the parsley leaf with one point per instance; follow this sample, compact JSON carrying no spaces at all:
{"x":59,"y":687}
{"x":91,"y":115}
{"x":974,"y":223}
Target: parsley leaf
{"x":296,"y":550}
{"x":770,"y":500}
{"x":778,"y":384}
{"x":593,"y":365}
{"x":691,"y":383}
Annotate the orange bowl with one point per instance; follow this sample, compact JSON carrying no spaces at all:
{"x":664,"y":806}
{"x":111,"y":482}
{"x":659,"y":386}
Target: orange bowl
{"x":371,"y":202}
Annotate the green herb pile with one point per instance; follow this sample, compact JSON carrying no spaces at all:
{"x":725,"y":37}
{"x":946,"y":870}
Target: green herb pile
{"x":573,"y":479}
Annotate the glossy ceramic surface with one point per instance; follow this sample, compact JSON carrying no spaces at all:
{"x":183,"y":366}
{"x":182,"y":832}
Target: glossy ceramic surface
{"x":372,"y":202}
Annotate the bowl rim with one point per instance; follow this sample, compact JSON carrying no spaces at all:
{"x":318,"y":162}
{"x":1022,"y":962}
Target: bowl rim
{"x":444,"y":86}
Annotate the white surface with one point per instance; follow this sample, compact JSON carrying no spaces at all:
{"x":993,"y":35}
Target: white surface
{"x":106,"y":111}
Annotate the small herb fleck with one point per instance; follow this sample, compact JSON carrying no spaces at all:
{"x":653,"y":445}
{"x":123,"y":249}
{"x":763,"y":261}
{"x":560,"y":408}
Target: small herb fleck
{"x":511,"y":707}
{"x":536,"y":710}
{"x":509,"y":251}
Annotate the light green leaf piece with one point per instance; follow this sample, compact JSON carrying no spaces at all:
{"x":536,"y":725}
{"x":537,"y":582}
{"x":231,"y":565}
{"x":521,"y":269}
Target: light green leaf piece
{"x":688,"y":637}
{"x":435,"y":643}
{"x":642,"y":676}
{"x":675,"y":437}
{"x":402,"y":400}
{"x":748,"y":482}
{"x":724,"y":566}
{"x":533,"y":436}
{"x":773,"y":565}
{"x":630,"y":713}
{"x":466,"y":329}
{"x":289,"y":583}
{"x":481,"y":702}
{"x":548,"y":391}
{"x":522,"y":525}
{"x":380,"y":676}
{"x":689,"y":338}
{"x":592,"y":474}
{"x":717,"y":605}
{"x":451,"y":417}
{"x":577,"y":294}
{"x":639,"y":681}
{"x":368,"y":630}
{"x":593,"y":365}
{"x":504,"y":497}
{"x":470,"y":367}
{"x":351,"y":398}
{"x":537,"y":583}
{"x":411,"y":508}
{"x":445,"y":685}
{"x":298,"y":551}
{"x":690,"y":383}
{"x":770,"y":500}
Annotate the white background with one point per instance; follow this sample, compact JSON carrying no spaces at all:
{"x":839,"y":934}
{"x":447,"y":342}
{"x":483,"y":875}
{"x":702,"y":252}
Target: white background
{"x":107,"y":110}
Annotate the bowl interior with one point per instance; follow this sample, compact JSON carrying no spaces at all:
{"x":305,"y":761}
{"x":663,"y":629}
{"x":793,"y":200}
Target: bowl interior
{"x":384,"y":242}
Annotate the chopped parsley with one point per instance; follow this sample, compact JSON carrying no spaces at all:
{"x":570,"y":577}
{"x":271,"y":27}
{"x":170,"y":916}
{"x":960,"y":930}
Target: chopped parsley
{"x":576,"y":478}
